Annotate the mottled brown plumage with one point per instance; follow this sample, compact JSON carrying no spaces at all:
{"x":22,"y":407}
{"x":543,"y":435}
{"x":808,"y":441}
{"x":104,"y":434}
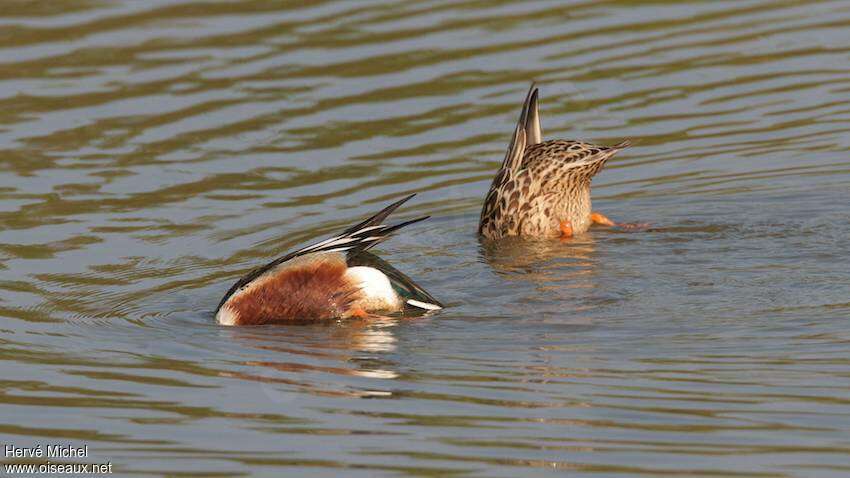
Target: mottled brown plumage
{"x":541,"y":185}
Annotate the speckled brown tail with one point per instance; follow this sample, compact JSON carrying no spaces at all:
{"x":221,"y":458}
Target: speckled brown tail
{"x":541,"y":184}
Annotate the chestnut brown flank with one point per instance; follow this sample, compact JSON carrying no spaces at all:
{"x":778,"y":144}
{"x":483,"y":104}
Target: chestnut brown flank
{"x":311,"y":291}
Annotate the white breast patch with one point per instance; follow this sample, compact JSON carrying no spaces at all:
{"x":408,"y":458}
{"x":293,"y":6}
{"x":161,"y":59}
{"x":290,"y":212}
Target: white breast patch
{"x":377,"y":291}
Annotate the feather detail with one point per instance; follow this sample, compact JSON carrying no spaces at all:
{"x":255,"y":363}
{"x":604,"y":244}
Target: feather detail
{"x":529,"y":119}
{"x":309,"y":280}
{"x":403,"y":285}
{"x":513,"y":157}
{"x":541,"y":183}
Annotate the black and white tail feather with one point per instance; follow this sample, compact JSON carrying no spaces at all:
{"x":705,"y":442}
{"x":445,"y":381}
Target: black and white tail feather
{"x":362,"y":236}
{"x":354,"y":241}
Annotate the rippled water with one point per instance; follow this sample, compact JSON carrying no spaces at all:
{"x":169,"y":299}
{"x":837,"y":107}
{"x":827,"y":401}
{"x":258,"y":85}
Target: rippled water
{"x":154,"y":151}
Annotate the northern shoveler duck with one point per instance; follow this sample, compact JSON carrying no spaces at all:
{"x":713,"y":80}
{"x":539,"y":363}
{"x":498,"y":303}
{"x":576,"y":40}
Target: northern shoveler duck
{"x":334,"y":278}
{"x":542,"y":188}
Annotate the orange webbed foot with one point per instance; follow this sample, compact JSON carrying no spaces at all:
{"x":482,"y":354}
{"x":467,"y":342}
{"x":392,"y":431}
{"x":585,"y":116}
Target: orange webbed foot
{"x":359,"y":313}
{"x":634,"y":226}
{"x":566,"y":229}
{"x":601,"y":219}
{"x":362,"y":314}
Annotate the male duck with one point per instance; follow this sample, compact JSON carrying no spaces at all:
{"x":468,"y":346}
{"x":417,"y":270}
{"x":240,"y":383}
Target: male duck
{"x":542,"y":188}
{"x":334,"y":278}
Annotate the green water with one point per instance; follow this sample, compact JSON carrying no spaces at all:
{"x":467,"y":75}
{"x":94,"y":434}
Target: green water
{"x":152,"y":152}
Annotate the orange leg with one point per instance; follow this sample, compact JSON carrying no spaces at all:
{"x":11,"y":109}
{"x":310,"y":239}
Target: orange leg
{"x":566,"y":229}
{"x":598,"y":218}
{"x":359,"y":313}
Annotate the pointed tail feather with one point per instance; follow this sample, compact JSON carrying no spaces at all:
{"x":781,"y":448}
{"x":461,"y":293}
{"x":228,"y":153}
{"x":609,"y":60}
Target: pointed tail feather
{"x":357,"y":238}
{"x":529,"y":119}
{"x":527,"y":132}
{"x":513,"y":157}
{"x":391,"y":229}
{"x":379,"y":217}
{"x":371,"y":236}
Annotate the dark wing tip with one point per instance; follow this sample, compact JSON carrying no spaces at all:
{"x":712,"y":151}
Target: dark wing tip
{"x":405,"y":199}
{"x":516,"y":148}
{"x":379,"y":217}
{"x":392,"y":207}
{"x":330,"y":244}
{"x":529,"y":124}
{"x":395,"y":227}
{"x":530,"y":97}
{"x":533,"y":131}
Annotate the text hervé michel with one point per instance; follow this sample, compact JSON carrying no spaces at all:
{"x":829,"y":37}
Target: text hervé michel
{"x":46,"y":451}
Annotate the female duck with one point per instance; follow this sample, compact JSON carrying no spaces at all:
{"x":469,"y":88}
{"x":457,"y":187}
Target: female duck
{"x":334,"y":278}
{"x":543,"y":187}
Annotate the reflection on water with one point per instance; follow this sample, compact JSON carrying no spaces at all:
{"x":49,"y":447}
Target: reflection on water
{"x":155,"y":151}
{"x":357,"y":344}
{"x":560,"y":271}
{"x":533,"y":259}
